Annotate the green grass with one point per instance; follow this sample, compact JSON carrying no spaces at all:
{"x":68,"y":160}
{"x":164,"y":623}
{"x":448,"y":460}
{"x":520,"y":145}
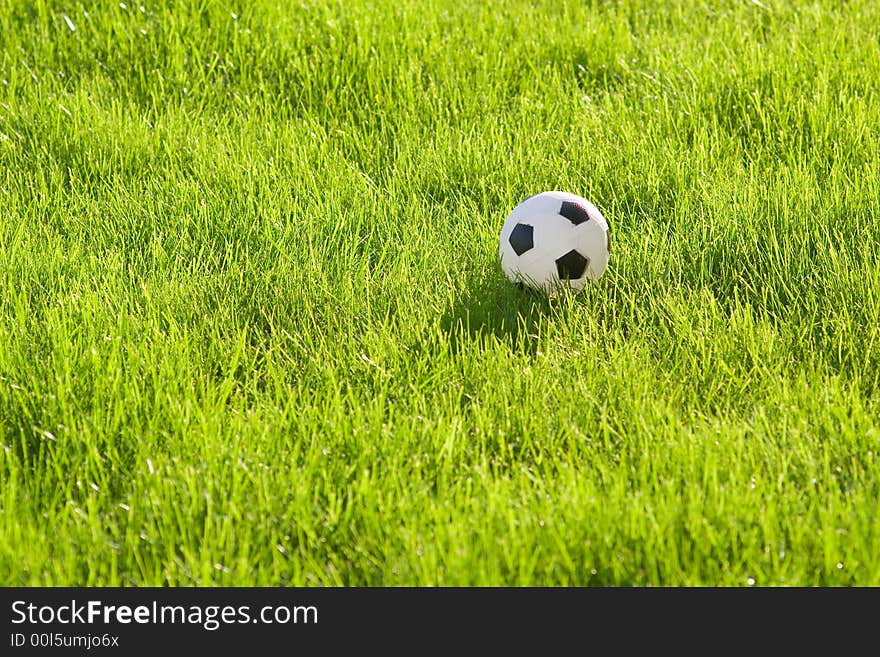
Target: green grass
{"x":253,"y":330}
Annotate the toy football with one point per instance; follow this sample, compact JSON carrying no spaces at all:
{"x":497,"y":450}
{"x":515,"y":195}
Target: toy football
{"x":554,"y":239}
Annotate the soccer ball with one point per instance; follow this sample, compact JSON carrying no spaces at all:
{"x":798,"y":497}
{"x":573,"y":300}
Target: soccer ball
{"x":553,"y":240}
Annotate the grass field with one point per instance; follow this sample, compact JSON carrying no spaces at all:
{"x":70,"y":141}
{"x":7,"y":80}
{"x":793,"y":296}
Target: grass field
{"x":253,"y":330}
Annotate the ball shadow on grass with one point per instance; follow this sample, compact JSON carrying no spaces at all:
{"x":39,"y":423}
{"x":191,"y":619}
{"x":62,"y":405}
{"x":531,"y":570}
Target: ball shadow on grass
{"x":492,"y":307}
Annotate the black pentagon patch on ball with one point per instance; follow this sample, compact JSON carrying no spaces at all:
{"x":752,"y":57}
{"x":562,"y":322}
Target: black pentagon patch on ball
{"x":571,"y":266}
{"x":522,"y":238}
{"x":574,"y":213}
